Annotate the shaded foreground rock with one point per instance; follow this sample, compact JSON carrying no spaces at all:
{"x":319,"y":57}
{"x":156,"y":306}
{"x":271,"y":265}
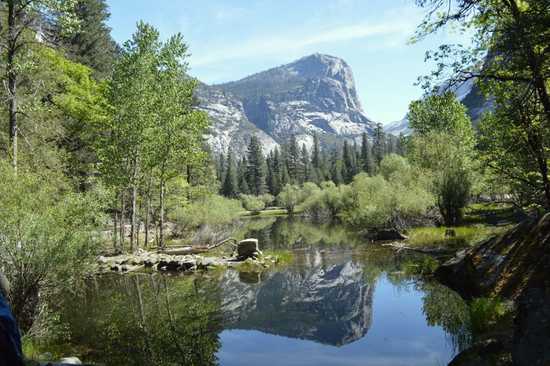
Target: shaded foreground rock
{"x":514,"y":266}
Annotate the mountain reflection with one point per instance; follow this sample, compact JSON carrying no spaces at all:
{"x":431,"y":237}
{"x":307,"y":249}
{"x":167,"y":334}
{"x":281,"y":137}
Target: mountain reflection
{"x":324,"y":300}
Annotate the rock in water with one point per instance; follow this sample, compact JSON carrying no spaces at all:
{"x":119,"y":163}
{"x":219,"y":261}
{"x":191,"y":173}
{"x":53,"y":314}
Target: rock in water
{"x":70,"y":361}
{"x":247,"y":248}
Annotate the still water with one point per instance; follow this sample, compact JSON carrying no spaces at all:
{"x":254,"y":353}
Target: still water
{"x":341,"y":302}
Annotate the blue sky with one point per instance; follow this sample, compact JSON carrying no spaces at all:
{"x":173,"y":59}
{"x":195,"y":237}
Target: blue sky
{"x":230,"y":39}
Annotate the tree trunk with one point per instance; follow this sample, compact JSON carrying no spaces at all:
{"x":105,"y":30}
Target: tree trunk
{"x":147,"y":213}
{"x":115,"y":238}
{"x":122,"y":213}
{"x":133,"y":225}
{"x":11,"y":73}
{"x":161,"y":215}
{"x":133,"y":218}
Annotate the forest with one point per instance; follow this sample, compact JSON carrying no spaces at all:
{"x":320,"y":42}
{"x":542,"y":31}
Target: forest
{"x":103,"y":147}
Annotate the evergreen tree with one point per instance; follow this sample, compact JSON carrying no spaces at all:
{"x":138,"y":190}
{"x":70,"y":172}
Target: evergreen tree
{"x":367,"y":162}
{"x":305,"y":165}
{"x":293,"y":159}
{"x":316,"y":153}
{"x":348,"y":169}
{"x":92,"y":44}
{"x":256,"y":167}
{"x":243,"y":176}
{"x":379,"y":145}
{"x":230,"y":187}
{"x":336,"y":173}
{"x":276,"y":171}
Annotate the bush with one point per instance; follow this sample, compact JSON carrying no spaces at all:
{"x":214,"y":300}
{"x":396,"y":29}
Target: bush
{"x":290,"y":197}
{"x":267,"y":199}
{"x":396,"y":197}
{"x":208,"y":210}
{"x":253,"y":203}
{"x":48,"y":237}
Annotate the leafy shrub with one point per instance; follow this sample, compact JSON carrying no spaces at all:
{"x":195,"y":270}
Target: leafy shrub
{"x":253,"y":203}
{"x":267,"y":199}
{"x":290,"y":197}
{"x":47,"y":240}
{"x":208,"y":210}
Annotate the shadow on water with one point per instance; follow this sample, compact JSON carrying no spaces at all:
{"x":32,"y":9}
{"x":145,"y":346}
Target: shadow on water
{"x":340,"y":301}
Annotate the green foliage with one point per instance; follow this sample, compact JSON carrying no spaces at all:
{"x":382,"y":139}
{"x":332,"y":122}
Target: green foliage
{"x":256,"y":170}
{"x":49,"y":236}
{"x":443,"y":144}
{"x":424,"y":267}
{"x":208,"y":210}
{"x":91,"y":43}
{"x":252,"y":203}
{"x":376,"y":202}
{"x":290,"y":197}
{"x":464,"y":236}
{"x":485,"y":313}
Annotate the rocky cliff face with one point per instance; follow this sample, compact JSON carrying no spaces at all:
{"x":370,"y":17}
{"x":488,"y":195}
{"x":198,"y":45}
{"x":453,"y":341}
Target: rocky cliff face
{"x":328,"y":303}
{"x":314,"y":94}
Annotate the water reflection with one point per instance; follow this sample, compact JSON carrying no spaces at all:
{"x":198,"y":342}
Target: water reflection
{"x":146,"y":320}
{"x":340,"y":302}
{"x":321,"y":301}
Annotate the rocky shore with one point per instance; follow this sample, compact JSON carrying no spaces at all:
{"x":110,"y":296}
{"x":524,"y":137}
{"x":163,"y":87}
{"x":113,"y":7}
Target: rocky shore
{"x":247,"y":252}
{"x":513,"y":267}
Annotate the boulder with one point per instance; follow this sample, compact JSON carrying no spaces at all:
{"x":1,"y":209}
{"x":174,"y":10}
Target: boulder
{"x":70,"y":361}
{"x":247,"y":248}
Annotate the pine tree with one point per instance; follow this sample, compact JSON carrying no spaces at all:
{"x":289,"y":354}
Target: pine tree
{"x":243,"y":176}
{"x":256,"y":167}
{"x":293,"y":159}
{"x":92,"y":44}
{"x":336,"y":168}
{"x":276,"y":171}
{"x":367,"y":162}
{"x":379,"y":145}
{"x":230,"y":187}
{"x":316,"y":153}
{"x":348,"y":169}
{"x":305,"y":165}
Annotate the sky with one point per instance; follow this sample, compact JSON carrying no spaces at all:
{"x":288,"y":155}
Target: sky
{"x":231,"y":39}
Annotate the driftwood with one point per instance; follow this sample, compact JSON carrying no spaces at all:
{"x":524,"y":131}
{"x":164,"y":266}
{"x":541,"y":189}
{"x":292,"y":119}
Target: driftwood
{"x":433,"y":251}
{"x":197,"y":249}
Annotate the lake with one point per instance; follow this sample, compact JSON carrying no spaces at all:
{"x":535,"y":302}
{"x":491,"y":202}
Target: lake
{"x":341,"y":301}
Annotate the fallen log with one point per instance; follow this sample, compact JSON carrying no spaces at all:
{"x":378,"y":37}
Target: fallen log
{"x":433,"y":251}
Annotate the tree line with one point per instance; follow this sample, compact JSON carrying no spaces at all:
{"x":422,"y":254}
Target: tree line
{"x":257,"y":173}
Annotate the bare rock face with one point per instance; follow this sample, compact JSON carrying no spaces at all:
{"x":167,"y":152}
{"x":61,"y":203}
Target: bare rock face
{"x":313,"y":94}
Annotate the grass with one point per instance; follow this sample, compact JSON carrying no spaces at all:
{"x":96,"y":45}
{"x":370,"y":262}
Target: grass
{"x":465,"y":236}
{"x":481,"y":221}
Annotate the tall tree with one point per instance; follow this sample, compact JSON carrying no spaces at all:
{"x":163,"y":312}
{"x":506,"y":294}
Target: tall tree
{"x":293,"y":159}
{"x":230,"y":187}
{"x":305,"y":173}
{"x":379,"y":144}
{"x":91,"y":44}
{"x":24,"y":20}
{"x":256,"y":167}
{"x":367,"y":161}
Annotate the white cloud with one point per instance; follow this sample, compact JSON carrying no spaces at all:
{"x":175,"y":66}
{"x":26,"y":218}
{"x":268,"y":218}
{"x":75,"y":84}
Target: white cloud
{"x":398,"y":29}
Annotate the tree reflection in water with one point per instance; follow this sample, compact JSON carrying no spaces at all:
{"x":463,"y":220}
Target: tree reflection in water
{"x":147,"y":320}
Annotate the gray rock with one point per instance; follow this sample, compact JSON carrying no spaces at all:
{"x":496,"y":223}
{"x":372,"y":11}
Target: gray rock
{"x":313,"y":94}
{"x":247,"y":248}
{"x":70,"y":361}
